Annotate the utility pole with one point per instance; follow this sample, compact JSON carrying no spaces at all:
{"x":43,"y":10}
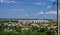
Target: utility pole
{"x":57,"y":20}
{"x":57,"y":4}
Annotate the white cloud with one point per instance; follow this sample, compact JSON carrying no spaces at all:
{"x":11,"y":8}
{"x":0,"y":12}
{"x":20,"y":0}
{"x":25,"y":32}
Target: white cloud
{"x":49,"y":6}
{"x":38,"y":3}
{"x":59,"y":12}
{"x":3,"y":0}
{"x":51,"y":12}
{"x":8,"y":1}
{"x":17,"y":10}
{"x":53,"y":0}
{"x":39,"y":13}
{"x":11,"y":2}
{"x":42,"y":13}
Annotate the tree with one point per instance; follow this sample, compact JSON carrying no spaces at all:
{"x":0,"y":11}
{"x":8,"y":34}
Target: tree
{"x":50,"y":32}
{"x":43,"y":29}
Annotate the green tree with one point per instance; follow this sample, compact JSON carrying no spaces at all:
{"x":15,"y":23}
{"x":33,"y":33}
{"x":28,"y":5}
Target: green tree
{"x":43,"y":29}
{"x":50,"y":32}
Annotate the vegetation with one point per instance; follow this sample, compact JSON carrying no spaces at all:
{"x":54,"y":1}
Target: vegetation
{"x":16,"y":28}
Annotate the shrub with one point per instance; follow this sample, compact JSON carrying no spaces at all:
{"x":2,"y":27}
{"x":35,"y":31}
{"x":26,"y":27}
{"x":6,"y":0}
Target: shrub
{"x":43,"y":29}
{"x":50,"y":32}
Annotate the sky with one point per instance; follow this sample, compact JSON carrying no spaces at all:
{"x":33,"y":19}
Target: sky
{"x":40,"y":9}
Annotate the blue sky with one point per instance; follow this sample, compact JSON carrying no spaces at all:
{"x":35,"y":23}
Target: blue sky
{"x":41,"y":9}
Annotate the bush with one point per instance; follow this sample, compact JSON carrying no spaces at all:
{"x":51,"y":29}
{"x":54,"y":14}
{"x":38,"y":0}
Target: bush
{"x":3,"y":33}
{"x":50,"y":32}
{"x":43,"y":29}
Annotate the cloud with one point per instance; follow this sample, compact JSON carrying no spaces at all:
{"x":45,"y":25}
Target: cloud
{"x":53,"y":0}
{"x":11,"y":2}
{"x":49,"y":6}
{"x":38,"y":3}
{"x":3,"y":0}
{"x":17,"y":10}
{"x":59,"y":12}
{"x":40,"y":13}
{"x":51,"y":12}
{"x":8,"y":1}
